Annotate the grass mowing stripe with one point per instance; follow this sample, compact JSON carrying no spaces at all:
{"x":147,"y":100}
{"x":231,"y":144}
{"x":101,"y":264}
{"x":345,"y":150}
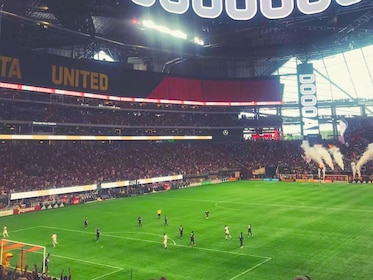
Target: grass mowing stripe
{"x":217,"y":205}
{"x":301,"y":205}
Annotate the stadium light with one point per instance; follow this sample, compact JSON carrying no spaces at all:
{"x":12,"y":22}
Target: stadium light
{"x":164,"y":29}
{"x":198,"y":41}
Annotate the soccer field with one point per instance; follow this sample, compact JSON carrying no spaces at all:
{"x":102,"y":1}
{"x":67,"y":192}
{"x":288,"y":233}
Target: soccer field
{"x":323,"y":231}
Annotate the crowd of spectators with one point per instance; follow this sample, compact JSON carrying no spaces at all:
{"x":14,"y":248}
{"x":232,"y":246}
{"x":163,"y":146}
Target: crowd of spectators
{"x":43,"y":165}
{"x":7,"y":273}
{"x":34,"y":165}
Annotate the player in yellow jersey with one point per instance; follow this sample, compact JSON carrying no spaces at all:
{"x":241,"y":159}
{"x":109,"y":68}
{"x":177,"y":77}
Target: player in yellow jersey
{"x":159,"y":212}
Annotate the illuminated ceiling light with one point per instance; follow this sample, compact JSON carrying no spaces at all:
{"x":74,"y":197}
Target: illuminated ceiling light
{"x":198,"y":41}
{"x":163,"y":29}
{"x":102,"y":55}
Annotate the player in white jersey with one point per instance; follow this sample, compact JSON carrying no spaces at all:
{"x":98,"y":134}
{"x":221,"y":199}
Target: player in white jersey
{"x":54,"y":239}
{"x":5,"y":232}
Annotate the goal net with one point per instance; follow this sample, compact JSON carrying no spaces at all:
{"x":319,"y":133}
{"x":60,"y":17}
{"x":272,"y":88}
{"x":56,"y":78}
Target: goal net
{"x":20,"y":255}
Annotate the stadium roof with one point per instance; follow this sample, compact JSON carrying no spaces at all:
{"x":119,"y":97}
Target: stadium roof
{"x":117,"y":27}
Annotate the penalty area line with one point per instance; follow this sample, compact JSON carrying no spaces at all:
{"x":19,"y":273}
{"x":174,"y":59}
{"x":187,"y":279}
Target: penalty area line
{"x":250,"y":269}
{"x":110,"y":235}
{"x":88,"y":262}
{"x":24,"y":229}
{"x":156,"y":242}
{"x":117,"y":269}
{"x":107,"y":274}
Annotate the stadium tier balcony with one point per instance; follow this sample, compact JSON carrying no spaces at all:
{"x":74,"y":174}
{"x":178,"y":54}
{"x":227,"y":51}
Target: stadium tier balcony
{"x":34,"y":113}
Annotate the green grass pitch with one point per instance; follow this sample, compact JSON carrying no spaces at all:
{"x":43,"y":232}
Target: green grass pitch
{"x":324,"y":231}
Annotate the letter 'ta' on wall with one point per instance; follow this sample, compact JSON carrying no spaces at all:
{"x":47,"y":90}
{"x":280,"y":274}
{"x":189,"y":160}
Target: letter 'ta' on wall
{"x":308,"y":111}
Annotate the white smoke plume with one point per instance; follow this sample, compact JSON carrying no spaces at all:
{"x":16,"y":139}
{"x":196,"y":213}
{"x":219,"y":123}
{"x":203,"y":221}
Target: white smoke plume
{"x":309,"y":152}
{"x":337,"y":155}
{"x":324,"y":154}
{"x":367,"y":155}
{"x":317,"y":153}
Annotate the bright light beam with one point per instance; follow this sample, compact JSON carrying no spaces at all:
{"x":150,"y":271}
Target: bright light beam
{"x":163,"y":29}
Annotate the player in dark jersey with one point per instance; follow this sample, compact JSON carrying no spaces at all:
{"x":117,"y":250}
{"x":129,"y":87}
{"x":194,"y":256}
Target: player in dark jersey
{"x":249,"y":230}
{"x":46,"y":263}
{"x":192,"y":240}
{"x":85,"y":223}
{"x":207,"y":213}
{"x":139,"y":221}
{"x":181,"y":231}
{"x":98,"y":233}
{"x":241,"y":240}
{"x":165,"y":220}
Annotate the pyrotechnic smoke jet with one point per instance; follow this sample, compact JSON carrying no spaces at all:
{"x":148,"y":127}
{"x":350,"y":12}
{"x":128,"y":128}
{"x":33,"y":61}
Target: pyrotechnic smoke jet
{"x":324,"y":154}
{"x":310,"y":153}
{"x":317,"y":153}
{"x":367,"y":155}
{"x":337,"y":155}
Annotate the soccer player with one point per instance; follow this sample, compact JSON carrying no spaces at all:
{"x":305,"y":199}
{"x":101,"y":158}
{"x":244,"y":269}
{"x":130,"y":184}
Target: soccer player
{"x":85,"y":223}
{"x":241,"y":240}
{"x":46,"y":263}
{"x":54,"y":239}
{"x":226,"y":233}
{"x":249,"y":230}
{"x":139,"y":221}
{"x":165,"y":220}
{"x":165,"y":238}
{"x":98,"y":233}
{"x":192,"y":240}
{"x":5,"y":232}
{"x":207,"y":214}
{"x":181,"y":230}
{"x":159,"y":212}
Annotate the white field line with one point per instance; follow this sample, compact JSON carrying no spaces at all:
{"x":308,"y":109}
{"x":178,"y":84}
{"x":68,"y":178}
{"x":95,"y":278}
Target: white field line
{"x":24,"y":229}
{"x":107,"y":274}
{"x":110,"y":235}
{"x":151,"y":241}
{"x":250,"y":269}
{"x":148,"y":233}
{"x":88,"y":262}
{"x":222,"y":251}
{"x":118,"y":269}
